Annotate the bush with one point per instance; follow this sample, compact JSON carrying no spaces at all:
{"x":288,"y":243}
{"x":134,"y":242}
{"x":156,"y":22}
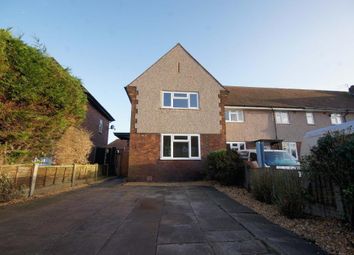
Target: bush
{"x":332,"y":158}
{"x":280,"y":187}
{"x":73,"y":147}
{"x":225,"y":167}
{"x":262,"y":185}
{"x":288,"y":194}
{"x":8,"y":190}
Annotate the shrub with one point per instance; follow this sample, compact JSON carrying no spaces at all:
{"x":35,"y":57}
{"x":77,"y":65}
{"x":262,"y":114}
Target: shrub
{"x":73,"y":147}
{"x":262,"y":185}
{"x":332,"y":158}
{"x":288,"y":193}
{"x":226,"y":167}
{"x":8,"y":190}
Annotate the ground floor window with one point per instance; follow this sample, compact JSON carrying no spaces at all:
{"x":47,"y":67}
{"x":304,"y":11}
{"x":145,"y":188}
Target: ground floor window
{"x":180,"y":146}
{"x":240,"y":146}
{"x":291,"y":148}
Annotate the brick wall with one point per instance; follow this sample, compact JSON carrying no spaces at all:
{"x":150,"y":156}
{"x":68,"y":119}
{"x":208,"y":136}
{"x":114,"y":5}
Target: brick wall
{"x":91,"y":123}
{"x":145,"y":163}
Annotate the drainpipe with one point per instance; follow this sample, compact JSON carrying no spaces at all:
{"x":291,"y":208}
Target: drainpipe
{"x":275,"y":125}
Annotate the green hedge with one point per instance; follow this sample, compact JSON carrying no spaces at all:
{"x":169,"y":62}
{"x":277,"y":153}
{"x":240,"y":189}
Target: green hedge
{"x":226,"y":167}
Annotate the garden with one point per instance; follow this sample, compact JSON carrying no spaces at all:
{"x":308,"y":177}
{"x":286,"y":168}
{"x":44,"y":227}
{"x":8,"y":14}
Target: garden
{"x":316,"y":202}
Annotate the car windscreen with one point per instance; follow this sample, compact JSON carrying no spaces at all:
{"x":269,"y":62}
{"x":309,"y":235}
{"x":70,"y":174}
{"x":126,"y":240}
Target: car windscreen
{"x":279,"y":158}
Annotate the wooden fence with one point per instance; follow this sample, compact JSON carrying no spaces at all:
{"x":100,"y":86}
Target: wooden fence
{"x":33,"y":177}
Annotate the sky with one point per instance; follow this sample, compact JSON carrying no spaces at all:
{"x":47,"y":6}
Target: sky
{"x":107,"y":44}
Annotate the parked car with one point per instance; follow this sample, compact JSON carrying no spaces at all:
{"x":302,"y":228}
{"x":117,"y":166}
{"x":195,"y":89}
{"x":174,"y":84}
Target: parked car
{"x":279,"y":159}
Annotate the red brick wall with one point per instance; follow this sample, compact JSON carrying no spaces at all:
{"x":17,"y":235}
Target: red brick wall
{"x":91,"y":123}
{"x":145,"y":163}
{"x":144,"y":151}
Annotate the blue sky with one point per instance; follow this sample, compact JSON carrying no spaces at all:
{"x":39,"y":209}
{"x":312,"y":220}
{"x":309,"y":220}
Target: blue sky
{"x":295,"y":44}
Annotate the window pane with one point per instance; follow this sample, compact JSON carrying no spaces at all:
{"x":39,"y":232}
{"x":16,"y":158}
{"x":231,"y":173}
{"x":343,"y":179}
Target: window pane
{"x":285,"y":117}
{"x":277,"y":117}
{"x":166,"y":99}
{"x":227,"y":115}
{"x":242,"y":146}
{"x":184,"y":95}
{"x":239,"y":115}
{"x":309,"y":117}
{"x":166,"y":146}
{"x":180,"y":150}
{"x":195,"y":146}
{"x":193,"y":100}
{"x":233,"y":116}
{"x":180,"y":137}
{"x":180,"y":103}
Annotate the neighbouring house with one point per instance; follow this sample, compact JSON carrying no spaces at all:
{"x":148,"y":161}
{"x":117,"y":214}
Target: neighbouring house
{"x":97,"y":122}
{"x":180,"y":113}
{"x":281,"y":117}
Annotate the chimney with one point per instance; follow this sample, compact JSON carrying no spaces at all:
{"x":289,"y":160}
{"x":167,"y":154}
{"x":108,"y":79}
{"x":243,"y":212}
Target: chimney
{"x":351,"y":90}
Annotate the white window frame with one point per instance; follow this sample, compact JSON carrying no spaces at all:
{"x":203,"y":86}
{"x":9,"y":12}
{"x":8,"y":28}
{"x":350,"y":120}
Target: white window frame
{"x":281,"y":119}
{"x":239,"y":115}
{"x":188,"y":97}
{"x":310,"y":118}
{"x":287,"y":146}
{"x":336,"y":119}
{"x":100,"y":126}
{"x":237,"y":145}
{"x":162,"y":157}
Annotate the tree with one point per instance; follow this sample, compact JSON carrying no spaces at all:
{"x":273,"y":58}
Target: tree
{"x":39,"y":100}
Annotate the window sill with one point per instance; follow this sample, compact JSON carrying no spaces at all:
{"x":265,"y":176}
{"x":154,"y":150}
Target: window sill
{"x":231,"y":121}
{"x":171,"y":108}
{"x":179,"y":159}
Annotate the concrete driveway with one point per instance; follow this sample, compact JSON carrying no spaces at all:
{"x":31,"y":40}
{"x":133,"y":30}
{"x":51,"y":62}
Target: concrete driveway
{"x":110,"y":218}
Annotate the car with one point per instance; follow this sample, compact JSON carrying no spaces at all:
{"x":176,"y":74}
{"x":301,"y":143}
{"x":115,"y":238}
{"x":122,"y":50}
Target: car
{"x":279,"y":159}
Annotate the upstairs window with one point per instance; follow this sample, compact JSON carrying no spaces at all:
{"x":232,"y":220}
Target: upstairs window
{"x":310,"y":119}
{"x":234,"y":116}
{"x":176,"y":146}
{"x":282,"y":117}
{"x":336,"y":118}
{"x":180,"y":100}
{"x":100,"y":126}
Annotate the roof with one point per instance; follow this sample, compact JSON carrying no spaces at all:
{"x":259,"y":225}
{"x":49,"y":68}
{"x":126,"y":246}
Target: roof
{"x":177,"y":45}
{"x":97,"y":105}
{"x":289,"y":98}
{"x":122,"y":136}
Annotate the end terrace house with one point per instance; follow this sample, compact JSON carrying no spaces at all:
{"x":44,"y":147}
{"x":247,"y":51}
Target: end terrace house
{"x":180,"y":113}
{"x":177,"y":118}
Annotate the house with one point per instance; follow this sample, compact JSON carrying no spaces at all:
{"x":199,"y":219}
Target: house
{"x":281,"y":117}
{"x":177,"y":118}
{"x":97,"y":123}
{"x":180,"y":113}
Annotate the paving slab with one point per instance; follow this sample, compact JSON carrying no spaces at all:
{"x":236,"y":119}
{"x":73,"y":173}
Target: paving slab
{"x":111,"y":218}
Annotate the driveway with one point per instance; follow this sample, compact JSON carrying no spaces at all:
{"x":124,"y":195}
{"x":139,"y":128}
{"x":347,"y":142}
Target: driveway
{"x":111,"y":218}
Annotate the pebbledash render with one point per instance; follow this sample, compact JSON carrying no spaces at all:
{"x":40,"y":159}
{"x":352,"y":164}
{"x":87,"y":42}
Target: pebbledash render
{"x":180,"y":113}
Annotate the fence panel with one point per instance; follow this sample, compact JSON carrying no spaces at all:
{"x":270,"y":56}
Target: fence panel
{"x":52,"y":176}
